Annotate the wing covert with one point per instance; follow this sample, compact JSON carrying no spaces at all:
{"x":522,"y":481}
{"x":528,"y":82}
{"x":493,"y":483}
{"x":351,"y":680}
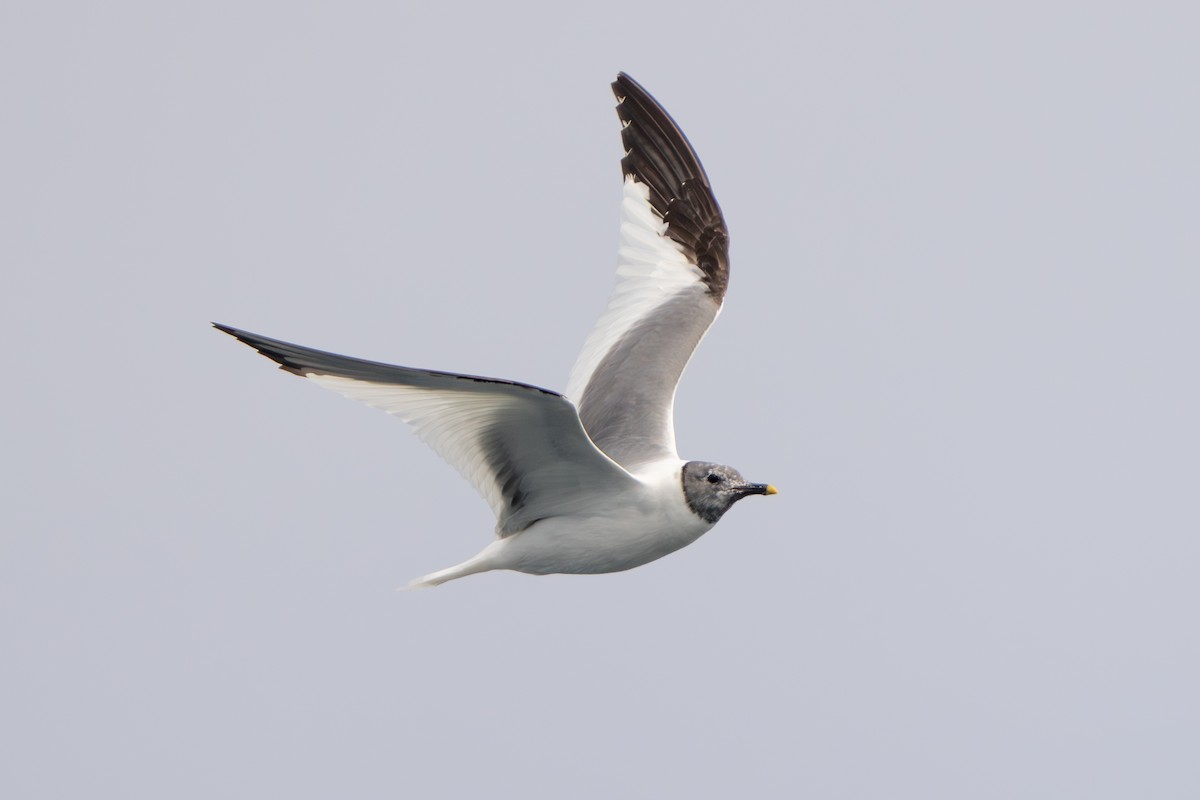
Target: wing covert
{"x":523,"y":448}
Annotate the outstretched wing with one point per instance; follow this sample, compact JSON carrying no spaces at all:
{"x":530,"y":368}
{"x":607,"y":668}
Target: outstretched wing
{"x":671,"y":277}
{"x":523,"y":448}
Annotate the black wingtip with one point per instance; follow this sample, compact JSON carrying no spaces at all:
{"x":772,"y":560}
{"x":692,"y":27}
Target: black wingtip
{"x":274,"y":349}
{"x":637,"y":106}
{"x":659,"y":156}
{"x":621,"y":86}
{"x":625,"y":83}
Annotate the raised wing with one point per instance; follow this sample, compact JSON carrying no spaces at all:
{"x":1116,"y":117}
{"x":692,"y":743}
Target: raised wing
{"x":671,"y":276}
{"x":521,"y":447}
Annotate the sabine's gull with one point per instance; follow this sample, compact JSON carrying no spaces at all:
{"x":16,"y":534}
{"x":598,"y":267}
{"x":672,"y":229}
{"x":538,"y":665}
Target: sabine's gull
{"x":588,"y":481}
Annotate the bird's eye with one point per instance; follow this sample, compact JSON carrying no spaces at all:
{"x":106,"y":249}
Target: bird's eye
{"x":714,"y":478}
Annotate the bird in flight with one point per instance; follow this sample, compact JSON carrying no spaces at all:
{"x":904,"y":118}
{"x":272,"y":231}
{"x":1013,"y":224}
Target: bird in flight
{"x":588,"y":481}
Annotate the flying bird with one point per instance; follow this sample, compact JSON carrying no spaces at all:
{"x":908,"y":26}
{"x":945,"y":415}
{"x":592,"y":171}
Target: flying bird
{"x":588,"y":481}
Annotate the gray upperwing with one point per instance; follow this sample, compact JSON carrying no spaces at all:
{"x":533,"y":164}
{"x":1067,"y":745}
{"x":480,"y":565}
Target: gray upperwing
{"x":523,"y":448}
{"x":627,"y":405}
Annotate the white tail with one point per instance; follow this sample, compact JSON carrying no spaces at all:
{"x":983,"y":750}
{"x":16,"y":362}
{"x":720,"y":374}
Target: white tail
{"x":483,"y":562}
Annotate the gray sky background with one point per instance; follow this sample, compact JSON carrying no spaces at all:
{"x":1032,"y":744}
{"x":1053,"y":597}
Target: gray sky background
{"x":961,"y":337}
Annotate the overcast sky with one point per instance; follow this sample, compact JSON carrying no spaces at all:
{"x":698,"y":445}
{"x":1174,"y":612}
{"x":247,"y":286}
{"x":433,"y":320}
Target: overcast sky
{"x":960,"y":337}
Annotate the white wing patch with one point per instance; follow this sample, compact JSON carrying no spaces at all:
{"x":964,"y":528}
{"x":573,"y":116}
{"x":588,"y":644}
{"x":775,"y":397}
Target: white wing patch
{"x":449,"y":422}
{"x":534,"y":437}
{"x":651,"y":269}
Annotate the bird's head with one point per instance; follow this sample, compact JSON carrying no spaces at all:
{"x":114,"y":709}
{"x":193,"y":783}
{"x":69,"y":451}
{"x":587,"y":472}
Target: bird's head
{"x":712,"y":489}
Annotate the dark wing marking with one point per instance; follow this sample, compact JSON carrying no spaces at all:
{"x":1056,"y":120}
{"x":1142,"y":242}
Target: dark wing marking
{"x":660,"y":156}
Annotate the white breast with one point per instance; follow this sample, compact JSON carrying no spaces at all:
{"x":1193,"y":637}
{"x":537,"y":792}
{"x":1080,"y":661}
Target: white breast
{"x":636,"y":528}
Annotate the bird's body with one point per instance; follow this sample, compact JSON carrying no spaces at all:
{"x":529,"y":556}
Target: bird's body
{"x":636,"y":527}
{"x":632,"y":528}
{"x":589,"y":482}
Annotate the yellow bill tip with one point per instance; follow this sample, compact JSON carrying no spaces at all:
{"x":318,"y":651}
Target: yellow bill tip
{"x":771,"y":490}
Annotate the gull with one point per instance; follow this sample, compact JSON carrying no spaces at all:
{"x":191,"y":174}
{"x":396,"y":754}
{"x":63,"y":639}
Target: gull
{"x":588,"y":481}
